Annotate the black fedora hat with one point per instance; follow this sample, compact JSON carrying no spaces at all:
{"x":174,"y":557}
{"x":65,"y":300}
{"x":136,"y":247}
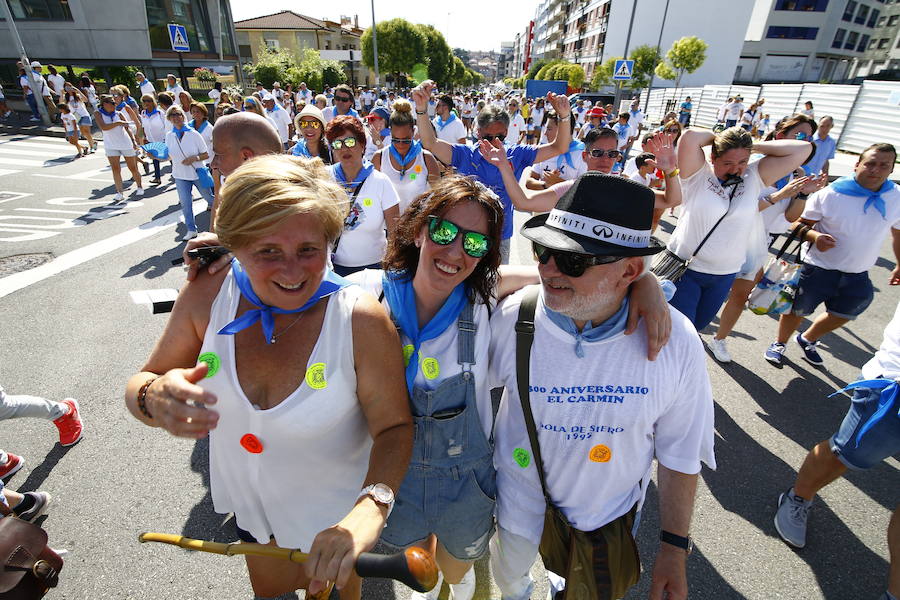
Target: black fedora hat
{"x":601,"y":215}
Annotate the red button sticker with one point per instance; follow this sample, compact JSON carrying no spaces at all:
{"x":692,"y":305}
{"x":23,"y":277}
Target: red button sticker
{"x":251,"y":444}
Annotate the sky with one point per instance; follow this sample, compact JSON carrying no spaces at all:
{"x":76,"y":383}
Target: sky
{"x":468,"y":24}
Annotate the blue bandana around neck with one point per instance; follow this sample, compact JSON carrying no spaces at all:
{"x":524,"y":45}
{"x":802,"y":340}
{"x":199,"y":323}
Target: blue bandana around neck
{"x":399,"y":293}
{"x":886,"y":401}
{"x":180,"y":132}
{"x":151,"y":113}
{"x":574,"y":146}
{"x":274,"y":108}
{"x":442,"y":123}
{"x":331,"y":283}
{"x":300,"y":149}
{"x":404,"y":161}
{"x":201,"y":128}
{"x":850,"y":187}
{"x":339,"y":176}
{"x":591,"y":333}
{"x":121,"y":105}
{"x":384,"y":132}
{"x":103,"y":111}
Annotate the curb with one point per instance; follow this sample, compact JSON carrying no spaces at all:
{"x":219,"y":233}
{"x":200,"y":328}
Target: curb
{"x":32,"y":130}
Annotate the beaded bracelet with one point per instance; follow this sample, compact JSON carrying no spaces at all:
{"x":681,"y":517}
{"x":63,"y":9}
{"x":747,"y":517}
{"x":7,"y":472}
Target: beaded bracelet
{"x":142,"y":397}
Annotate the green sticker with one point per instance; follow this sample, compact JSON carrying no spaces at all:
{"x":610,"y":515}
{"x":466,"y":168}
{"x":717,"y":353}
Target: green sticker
{"x":412,"y":176}
{"x":315,"y":376}
{"x":407,"y":353}
{"x":431,"y":368}
{"x":213,"y":362}
{"x":522,"y":458}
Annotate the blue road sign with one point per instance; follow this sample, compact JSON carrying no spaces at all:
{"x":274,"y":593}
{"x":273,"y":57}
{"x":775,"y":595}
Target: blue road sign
{"x":623,"y":70}
{"x":178,"y":37}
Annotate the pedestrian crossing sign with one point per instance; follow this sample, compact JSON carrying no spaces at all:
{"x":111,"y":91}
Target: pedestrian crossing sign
{"x":623,"y":70}
{"x":178,"y":37}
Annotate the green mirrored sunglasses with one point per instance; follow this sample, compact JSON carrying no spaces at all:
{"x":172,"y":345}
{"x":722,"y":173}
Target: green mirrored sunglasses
{"x":443,"y":232}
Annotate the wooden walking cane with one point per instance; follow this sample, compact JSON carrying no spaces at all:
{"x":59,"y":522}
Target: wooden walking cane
{"x":414,"y":567}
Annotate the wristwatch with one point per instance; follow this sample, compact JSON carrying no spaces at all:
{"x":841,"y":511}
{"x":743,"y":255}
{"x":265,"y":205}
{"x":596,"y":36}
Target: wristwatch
{"x":685,"y":543}
{"x":381,"y":493}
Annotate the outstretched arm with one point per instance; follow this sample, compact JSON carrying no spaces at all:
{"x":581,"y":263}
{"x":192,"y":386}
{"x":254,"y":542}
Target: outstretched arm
{"x":662,"y":146}
{"x":690,"y":150}
{"x":442,"y":150}
{"x":782,"y":157}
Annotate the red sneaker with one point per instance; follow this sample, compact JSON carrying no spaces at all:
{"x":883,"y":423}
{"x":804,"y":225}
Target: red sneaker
{"x":13,"y":463}
{"x":69,"y":425}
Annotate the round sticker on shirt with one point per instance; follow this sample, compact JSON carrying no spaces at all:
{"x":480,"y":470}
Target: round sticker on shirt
{"x":431,"y":368}
{"x":522,"y":458}
{"x":367,"y":202}
{"x":407,"y":353}
{"x":213,"y":362}
{"x":412,"y":176}
{"x":251,"y":444}
{"x":600,"y":453}
{"x":315,"y":376}
{"x":418,"y":168}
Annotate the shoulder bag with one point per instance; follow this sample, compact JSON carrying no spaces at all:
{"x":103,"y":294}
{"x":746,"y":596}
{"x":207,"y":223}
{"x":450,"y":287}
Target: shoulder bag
{"x":29,"y":566}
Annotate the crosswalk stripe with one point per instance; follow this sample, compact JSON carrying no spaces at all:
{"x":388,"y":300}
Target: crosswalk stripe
{"x":8,"y":172}
{"x":21,"y":162}
{"x":33,"y":146}
{"x":29,"y":152}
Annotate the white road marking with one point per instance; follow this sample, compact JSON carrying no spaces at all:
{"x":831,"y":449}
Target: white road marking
{"x":25,"y":152}
{"x":73,"y":177}
{"x":8,"y":172}
{"x":10,"y":196}
{"x":18,"y":281}
{"x":22,"y":162}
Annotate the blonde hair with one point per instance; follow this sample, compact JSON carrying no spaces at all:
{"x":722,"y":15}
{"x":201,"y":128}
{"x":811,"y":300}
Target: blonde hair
{"x":174,"y":110}
{"x":733,"y":138}
{"x":268,"y":189}
{"x":401,"y":113}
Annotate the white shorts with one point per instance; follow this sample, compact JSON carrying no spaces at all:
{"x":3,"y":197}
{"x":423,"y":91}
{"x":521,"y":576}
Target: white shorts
{"x":114,"y":152}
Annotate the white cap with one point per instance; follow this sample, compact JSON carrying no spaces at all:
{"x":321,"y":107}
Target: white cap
{"x":36,"y":65}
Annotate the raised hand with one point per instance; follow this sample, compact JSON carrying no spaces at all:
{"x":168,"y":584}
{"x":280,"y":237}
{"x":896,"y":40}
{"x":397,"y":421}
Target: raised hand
{"x":421,"y":94}
{"x":495,"y":156}
{"x":663,"y":148}
{"x":560,"y":103}
{"x":814,"y":184}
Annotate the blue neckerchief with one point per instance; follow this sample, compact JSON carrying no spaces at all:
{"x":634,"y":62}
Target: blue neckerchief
{"x":274,"y":108}
{"x":787,"y":178}
{"x":180,"y":132}
{"x":574,"y":146}
{"x":331,"y":283}
{"x":633,"y":112}
{"x":440,"y":123}
{"x":151,"y":113}
{"x":850,"y":187}
{"x":399,"y":293}
{"x":131,"y":102}
{"x":121,"y":105}
{"x":886,"y":401}
{"x":111,"y":115}
{"x":384,"y":132}
{"x":201,"y":128}
{"x":300,"y":149}
{"x":404,"y":161}
{"x":591,"y":333}
{"x":339,"y":176}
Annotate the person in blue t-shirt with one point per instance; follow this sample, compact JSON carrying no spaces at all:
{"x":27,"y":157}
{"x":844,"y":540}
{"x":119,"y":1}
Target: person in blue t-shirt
{"x":493,"y":126}
{"x":684,"y":112}
{"x":825,"y":146}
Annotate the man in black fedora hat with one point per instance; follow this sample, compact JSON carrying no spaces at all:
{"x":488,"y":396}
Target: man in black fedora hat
{"x":601,"y":410}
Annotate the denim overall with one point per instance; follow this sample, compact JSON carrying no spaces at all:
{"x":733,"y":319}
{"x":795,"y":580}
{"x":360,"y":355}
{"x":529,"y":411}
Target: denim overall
{"x":450,"y":487}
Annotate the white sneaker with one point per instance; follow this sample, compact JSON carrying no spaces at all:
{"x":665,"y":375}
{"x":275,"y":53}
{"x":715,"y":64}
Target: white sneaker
{"x":118,"y":198}
{"x":433,"y":594}
{"x":139,"y":192}
{"x":719,"y":350}
{"x":191,"y":234}
{"x":465,"y":589}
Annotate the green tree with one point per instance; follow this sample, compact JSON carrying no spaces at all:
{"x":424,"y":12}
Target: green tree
{"x":440,"y":58}
{"x":400,"y":46}
{"x":537,"y":66}
{"x":664,"y":71}
{"x":544,"y":72}
{"x":604,"y":73}
{"x":645,"y":59}
{"x":273,"y":65}
{"x":685,"y":56}
{"x":575,"y":75}
{"x":463,"y":55}
{"x":459,"y":71}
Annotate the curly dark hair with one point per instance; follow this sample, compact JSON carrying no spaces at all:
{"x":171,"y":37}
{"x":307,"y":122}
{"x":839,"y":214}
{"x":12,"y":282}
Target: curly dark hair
{"x":402,"y":255}
{"x":338,"y":126}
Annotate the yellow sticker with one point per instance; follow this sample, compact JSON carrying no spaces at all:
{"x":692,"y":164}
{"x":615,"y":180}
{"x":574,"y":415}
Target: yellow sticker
{"x":418,"y":168}
{"x":367,"y":202}
{"x":600,"y":453}
{"x":315,"y":376}
{"x":431,"y":368}
{"x":407,"y":353}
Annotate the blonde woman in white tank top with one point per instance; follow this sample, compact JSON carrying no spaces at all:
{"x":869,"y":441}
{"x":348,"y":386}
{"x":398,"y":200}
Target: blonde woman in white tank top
{"x":411,"y":168}
{"x":303,"y":419}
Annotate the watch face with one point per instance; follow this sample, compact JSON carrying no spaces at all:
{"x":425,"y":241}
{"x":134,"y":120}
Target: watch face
{"x":382,"y":493}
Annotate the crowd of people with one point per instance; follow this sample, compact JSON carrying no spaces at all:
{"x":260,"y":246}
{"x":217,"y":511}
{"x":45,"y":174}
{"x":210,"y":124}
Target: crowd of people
{"x":384,"y":221}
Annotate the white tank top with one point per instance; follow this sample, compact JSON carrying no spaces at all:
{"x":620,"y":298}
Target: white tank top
{"x":314,"y":445}
{"x":115,"y":138}
{"x":410,"y":185}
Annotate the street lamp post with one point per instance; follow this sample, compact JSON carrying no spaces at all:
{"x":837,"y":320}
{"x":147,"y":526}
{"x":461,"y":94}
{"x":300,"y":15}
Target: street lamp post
{"x":36,"y":88}
{"x":625,"y":56}
{"x":658,"y":44}
{"x":374,"y":44}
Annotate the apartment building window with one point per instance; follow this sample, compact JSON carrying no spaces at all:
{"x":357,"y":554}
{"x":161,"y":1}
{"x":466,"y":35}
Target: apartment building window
{"x":873,"y":17}
{"x":224,"y":30}
{"x":881,"y":22}
{"x":838,"y":38}
{"x":872,"y":44}
{"x":805,"y":5}
{"x":190,"y":13}
{"x":273,"y":44}
{"x":40,"y":10}
{"x":861,"y":14}
{"x":793,"y":33}
{"x":852,"y":38}
{"x":863,"y":42}
{"x":883,"y":43}
{"x":893,"y":20}
{"x":849,"y":10}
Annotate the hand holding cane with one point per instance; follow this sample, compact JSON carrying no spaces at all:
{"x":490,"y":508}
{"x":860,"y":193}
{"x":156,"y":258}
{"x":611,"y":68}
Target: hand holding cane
{"x":413,"y":567}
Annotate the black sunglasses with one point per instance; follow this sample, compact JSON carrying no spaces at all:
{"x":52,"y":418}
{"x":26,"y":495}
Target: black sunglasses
{"x":342,"y":98}
{"x":401,"y":140}
{"x":571,"y":264}
{"x":597,"y":153}
{"x":501,"y":137}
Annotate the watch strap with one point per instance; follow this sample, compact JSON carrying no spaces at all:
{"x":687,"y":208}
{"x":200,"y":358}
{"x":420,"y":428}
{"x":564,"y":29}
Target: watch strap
{"x":685,"y":543}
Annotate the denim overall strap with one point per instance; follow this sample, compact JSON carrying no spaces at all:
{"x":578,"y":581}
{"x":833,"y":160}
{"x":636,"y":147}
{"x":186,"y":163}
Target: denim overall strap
{"x":466,"y":341}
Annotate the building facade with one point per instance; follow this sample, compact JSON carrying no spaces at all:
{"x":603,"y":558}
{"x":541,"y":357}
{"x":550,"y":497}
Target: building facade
{"x":335,"y":40}
{"x":505,"y":60}
{"x":810,"y":40}
{"x":883,"y":52}
{"x":91,"y":33}
{"x":522,"y":51}
{"x":592,"y":31}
